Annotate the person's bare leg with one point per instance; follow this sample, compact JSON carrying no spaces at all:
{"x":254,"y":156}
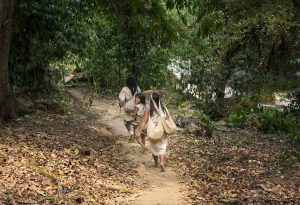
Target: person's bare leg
{"x":143,"y":140}
{"x":162,"y":163}
{"x":155,"y":160}
{"x":130,"y":128}
{"x":139,"y":140}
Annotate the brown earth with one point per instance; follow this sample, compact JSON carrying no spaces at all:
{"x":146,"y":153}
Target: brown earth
{"x":80,"y":157}
{"x":83,"y":157}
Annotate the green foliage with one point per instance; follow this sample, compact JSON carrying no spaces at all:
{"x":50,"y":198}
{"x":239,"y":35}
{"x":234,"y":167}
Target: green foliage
{"x":254,"y":38}
{"x":295,"y":101}
{"x":64,"y":100}
{"x":269,"y":121}
{"x":43,"y":33}
{"x":108,"y":40}
{"x":294,"y":136}
{"x":242,"y":118}
{"x":202,"y":117}
{"x":277,"y":122}
{"x":251,"y":46}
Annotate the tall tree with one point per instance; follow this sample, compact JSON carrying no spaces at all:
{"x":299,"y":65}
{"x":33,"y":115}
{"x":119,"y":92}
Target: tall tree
{"x":7,"y":99}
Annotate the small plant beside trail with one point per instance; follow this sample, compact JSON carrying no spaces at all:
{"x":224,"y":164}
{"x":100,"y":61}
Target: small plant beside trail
{"x":275,"y":121}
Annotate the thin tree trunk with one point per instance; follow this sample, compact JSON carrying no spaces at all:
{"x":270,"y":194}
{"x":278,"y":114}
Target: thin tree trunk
{"x":7,"y":99}
{"x":95,"y":84}
{"x":226,"y":70}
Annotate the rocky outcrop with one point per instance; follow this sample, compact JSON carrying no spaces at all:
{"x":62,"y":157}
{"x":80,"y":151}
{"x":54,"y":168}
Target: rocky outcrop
{"x":194,"y":126}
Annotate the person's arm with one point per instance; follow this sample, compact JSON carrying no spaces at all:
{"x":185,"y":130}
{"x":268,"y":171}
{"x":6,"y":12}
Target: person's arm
{"x":143,"y":124}
{"x":122,"y":97}
{"x":133,"y":113}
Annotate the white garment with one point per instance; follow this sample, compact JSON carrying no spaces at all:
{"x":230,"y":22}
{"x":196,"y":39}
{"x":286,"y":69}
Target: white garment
{"x":141,"y":111}
{"x":124,"y":96}
{"x":158,"y":147}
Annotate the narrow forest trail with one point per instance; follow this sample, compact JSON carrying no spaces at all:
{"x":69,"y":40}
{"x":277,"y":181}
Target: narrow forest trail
{"x":164,"y":188}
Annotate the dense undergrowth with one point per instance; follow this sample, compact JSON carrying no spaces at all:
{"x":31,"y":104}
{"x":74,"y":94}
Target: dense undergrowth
{"x":244,"y":112}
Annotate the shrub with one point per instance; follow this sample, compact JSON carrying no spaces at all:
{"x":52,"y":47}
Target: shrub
{"x":295,"y":137}
{"x":277,"y":122}
{"x":294,"y":96}
{"x":203,"y":118}
{"x":236,"y":119}
{"x":242,"y":118}
{"x":282,"y":123}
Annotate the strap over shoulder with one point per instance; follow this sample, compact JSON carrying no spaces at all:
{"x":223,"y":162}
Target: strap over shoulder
{"x":166,"y":120}
{"x":138,"y":90}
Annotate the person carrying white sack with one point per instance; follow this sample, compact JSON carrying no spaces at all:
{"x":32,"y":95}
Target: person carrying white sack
{"x":127,"y":102}
{"x":159,"y":125}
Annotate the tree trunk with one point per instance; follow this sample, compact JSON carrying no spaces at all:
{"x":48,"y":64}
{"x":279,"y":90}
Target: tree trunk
{"x":7,"y":99}
{"x":226,"y":70}
{"x":276,"y":61}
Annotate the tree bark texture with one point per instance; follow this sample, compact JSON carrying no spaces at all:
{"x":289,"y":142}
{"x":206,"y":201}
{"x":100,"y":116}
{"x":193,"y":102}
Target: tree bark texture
{"x":7,"y":99}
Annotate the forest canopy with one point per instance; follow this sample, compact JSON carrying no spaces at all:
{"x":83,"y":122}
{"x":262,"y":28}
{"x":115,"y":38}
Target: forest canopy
{"x":110,"y":39}
{"x":251,"y":47}
{"x":226,"y":71}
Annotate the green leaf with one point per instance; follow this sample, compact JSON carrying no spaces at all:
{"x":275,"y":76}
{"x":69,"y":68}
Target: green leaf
{"x":49,"y":198}
{"x":225,"y":201}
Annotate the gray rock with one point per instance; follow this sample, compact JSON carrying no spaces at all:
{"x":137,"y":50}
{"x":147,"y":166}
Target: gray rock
{"x":194,"y":126}
{"x":221,"y":123}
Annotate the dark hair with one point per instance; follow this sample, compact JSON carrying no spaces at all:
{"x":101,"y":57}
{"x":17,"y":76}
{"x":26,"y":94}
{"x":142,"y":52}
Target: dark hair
{"x":142,"y":98}
{"x":131,"y":84}
{"x":156,"y":99}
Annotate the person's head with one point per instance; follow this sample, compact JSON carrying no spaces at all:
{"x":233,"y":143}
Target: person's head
{"x":155,"y":99}
{"x":131,"y":84}
{"x":140,"y":98}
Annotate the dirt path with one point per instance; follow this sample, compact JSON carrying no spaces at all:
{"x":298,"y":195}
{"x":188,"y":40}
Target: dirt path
{"x":164,"y":188}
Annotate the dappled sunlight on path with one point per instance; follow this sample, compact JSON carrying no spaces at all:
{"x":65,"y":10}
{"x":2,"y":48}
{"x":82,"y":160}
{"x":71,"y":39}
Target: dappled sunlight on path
{"x":164,"y":188}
